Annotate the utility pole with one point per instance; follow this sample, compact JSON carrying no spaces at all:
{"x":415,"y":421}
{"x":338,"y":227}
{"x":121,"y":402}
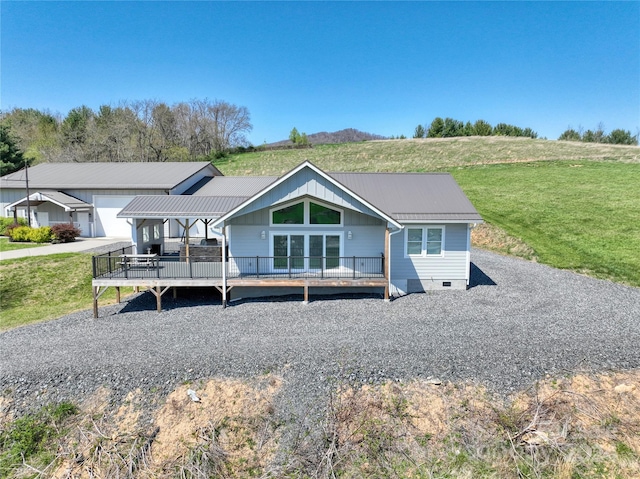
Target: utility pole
{"x":26,"y":177}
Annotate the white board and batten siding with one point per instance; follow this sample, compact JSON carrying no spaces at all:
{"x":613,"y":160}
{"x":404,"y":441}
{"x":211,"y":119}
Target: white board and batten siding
{"x":416,"y":274}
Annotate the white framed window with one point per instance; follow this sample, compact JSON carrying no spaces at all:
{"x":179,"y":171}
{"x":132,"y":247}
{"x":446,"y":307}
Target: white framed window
{"x":306,"y":212}
{"x":424,"y":241}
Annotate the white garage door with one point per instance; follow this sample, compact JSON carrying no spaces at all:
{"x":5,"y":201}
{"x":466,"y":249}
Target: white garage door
{"x":106,"y":209}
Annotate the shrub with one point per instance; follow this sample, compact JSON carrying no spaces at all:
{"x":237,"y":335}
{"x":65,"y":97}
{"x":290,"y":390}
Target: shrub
{"x":20,"y":233}
{"x":6,"y":224}
{"x":65,"y":232}
{"x":40,"y":235}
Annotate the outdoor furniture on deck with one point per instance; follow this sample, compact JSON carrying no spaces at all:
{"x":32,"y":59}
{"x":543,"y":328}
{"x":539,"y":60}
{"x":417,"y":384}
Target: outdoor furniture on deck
{"x":133,"y":260}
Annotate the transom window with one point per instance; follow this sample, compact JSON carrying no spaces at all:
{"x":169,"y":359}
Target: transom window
{"x":425,"y":241}
{"x":306,"y":213}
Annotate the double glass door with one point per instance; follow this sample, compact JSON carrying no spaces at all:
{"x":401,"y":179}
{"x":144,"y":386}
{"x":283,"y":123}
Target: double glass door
{"x":306,"y":251}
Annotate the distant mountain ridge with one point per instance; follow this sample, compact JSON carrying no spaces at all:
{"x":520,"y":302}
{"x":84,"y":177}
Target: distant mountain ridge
{"x":348,"y":135}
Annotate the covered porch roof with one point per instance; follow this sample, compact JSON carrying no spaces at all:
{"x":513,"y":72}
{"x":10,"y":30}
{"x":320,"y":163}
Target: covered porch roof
{"x":67,"y":202}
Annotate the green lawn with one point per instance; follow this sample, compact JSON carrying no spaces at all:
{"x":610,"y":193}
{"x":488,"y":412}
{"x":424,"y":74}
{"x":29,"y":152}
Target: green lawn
{"x":578,"y":215}
{"x":45,"y":287}
{"x":6,"y":245}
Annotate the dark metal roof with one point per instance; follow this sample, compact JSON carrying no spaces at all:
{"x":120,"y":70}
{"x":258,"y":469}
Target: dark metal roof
{"x":146,"y":175}
{"x":165,"y":206}
{"x":412,"y":196}
{"x":234,"y":185}
{"x":402,"y":196}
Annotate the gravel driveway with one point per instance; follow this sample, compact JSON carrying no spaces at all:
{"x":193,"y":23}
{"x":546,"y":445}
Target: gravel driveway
{"x":519,"y":321}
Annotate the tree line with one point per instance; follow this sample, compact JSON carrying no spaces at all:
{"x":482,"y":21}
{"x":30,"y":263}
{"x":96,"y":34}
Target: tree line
{"x":616,"y":137}
{"x":142,"y":130}
{"x":449,"y":127}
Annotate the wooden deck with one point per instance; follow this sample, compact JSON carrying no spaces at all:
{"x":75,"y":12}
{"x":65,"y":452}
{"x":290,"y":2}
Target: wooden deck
{"x":164,"y":273}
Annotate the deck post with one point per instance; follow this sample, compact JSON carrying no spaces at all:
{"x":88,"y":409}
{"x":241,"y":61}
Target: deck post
{"x":158,"y":299}
{"x":95,"y":301}
{"x":118,"y":294}
{"x":224,"y":266}
{"x":306,"y":294}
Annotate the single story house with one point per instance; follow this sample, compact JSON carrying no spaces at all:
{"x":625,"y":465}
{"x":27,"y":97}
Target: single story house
{"x":403,"y":232}
{"x":90,"y":195}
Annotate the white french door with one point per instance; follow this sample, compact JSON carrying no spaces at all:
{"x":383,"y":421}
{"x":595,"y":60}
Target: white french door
{"x":301,"y":252}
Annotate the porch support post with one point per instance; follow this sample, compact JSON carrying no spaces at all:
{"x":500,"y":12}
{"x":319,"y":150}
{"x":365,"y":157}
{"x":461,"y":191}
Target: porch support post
{"x":224,"y":266}
{"x":387,"y":262}
{"x":118,"y":294}
{"x":306,"y":294}
{"x":158,"y":299}
{"x":95,"y":301}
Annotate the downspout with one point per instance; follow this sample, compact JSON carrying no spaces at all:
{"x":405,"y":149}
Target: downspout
{"x":389,"y":257}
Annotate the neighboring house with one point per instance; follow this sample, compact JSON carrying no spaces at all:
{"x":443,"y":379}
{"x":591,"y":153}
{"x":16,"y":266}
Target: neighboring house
{"x":90,"y":195}
{"x":404,"y":232}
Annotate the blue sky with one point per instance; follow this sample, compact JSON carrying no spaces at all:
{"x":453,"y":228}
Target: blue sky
{"x":381,"y":67}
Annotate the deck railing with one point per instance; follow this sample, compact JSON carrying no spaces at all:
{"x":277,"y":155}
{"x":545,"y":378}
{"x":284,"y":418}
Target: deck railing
{"x":116,"y":265}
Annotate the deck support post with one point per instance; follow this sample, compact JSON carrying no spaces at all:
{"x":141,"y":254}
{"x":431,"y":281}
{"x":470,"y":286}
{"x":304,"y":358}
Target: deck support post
{"x":224,"y":266}
{"x":95,"y":301}
{"x":158,"y":299}
{"x":118,"y":294}
{"x":306,"y":294}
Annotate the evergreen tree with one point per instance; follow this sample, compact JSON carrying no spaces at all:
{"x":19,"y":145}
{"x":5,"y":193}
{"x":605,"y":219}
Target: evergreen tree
{"x":11,"y":158}
{"x":436,"y":129}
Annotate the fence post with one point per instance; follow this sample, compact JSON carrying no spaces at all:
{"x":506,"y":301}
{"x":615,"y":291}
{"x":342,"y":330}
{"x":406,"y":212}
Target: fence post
{"x":354,"y":267}
{"x":126,"y":268}
{"x":157,"y":262}
{"x":257,"y":266}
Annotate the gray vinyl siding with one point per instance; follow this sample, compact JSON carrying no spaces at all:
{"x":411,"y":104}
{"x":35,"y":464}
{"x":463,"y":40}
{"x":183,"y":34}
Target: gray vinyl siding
{"x":244,"y":240}
{"x":451,"y":266}
{"x":306,"y":183}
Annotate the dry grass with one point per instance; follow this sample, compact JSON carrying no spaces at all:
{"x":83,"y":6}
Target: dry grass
{"x":492,"y":238}
{"x":583,"y":426}
{"x":575,"y":427}
{"x":424,"y":155}
{"x":227,"y":434}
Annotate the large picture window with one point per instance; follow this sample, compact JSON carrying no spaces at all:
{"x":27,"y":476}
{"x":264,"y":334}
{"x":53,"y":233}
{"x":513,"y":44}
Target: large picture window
{"x":424,"y":241}
{"x":306,"y":213}
{"x":289,"y":215}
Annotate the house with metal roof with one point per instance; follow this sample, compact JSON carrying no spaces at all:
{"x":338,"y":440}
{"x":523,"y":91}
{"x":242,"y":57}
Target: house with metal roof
{"x":393,"y":232}
{"x":90,"y":195}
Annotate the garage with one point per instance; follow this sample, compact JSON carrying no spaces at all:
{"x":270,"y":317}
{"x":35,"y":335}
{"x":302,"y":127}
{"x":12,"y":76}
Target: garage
{"x":106,"y":220}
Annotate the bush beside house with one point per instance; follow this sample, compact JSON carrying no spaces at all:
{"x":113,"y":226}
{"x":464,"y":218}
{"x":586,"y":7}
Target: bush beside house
{"x":64,"y":233}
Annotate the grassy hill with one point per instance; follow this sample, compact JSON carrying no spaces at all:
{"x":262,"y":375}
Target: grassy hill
{"x":575,"y":205}
{"x":424,"y":155}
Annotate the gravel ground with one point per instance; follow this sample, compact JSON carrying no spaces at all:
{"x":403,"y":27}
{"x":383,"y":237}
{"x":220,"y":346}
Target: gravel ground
{"x":518,"y":322}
